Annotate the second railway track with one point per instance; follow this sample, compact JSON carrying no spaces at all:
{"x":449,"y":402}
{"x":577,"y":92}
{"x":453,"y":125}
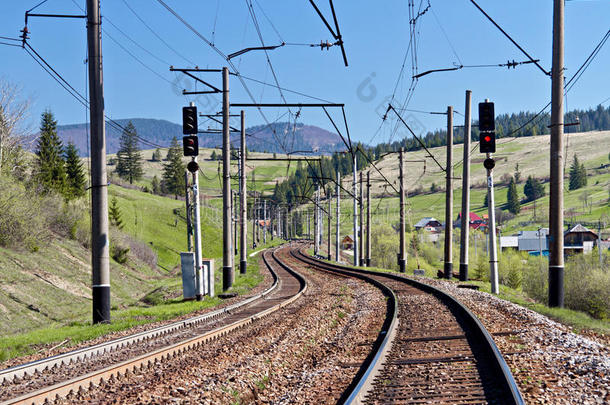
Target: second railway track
{"x":58,"y":376}
{"x":437,"y":351}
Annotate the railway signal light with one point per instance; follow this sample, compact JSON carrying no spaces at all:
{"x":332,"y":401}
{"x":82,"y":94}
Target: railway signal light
{"x":192,"y":166}
{"x":487,"y":118}
{"x":487,"y":142}
{"x":189,"y":121}
{"x":487,"y":127}
{"x":190,"y":145}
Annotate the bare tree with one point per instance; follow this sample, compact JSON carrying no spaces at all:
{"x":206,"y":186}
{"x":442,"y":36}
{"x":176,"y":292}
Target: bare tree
{"x":13,"y":110}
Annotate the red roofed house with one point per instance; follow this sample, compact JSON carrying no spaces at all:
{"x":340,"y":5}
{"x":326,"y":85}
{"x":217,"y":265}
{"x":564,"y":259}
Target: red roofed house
{"x":475,"y":221}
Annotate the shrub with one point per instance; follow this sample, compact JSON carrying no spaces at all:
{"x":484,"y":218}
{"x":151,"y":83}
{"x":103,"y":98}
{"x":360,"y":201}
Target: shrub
{"x":22,"y":222}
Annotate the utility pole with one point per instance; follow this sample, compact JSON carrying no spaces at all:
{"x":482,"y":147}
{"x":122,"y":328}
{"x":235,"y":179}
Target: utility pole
{"x":449,"y":197}
{"x":402,"y":254}
{"x":368,"y":219}
{"x":355,"y":207}
{"x":189,"y":221}
{"x":556,"y":261}
{"x":100,"y":257}
{"x":337,"y":226}
{"x":254,"y":222}
{"x":308,"y":234}
{"x":493,"y":262}
{"x":465,"y":225}
{"x":243,"y":261}
{"x":361,"y":247}
{"x":599,"y":242}
{"x":228,"y":276}
{"x":316,"y":234}
{"x":330,"y":201}
{"x":265,"y":222}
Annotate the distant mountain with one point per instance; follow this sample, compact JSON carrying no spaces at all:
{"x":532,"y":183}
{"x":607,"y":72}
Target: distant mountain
{"x":278,"y":137}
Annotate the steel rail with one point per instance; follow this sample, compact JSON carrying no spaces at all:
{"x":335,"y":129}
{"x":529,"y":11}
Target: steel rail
{"x":31,"y":368}
{"x":146,"y":360}
{"x":372,"y":365}
{"x":502,"y":369}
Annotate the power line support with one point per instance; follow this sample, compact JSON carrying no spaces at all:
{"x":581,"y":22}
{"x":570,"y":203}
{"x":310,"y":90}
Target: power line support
{"x":491,"y":213}
{"x":449,"y":197}
{"x":355,"y":207}
{"x":361,"y":247}
{"x":265,"y":222}
{"x":330,"y":203}
{"x":402,"y":254}
{"x":100,"y":257}
{"x":556,"y":260}
{"x":228,"y":276}
{"x":465,"y":224}
{"x":368,"y":219}
{"x":337,"y":226}
{"x":316,"y":234}
{"x":243,"y":261}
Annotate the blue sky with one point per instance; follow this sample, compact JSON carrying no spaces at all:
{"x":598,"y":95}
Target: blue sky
{"x":376,"y":36}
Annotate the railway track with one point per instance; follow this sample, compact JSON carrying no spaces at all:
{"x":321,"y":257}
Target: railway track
{"x":434,"y":350}
{"x":58,"y":376}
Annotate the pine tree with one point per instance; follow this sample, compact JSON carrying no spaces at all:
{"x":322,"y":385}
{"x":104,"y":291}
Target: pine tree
{"x":514,"y":205}
{"x":74,"y":171}
{"x":129,"y":164}
{"x":213,"y":155}
{"x":578,"y":175}
{"x":114,"y":213}
{"x":533,"y":189}
{"x":51,"y":172}
{"x":173,"y":171}
{"x":156,"y":187}
{"x":517,"y":174}
{"x":156,"y":156}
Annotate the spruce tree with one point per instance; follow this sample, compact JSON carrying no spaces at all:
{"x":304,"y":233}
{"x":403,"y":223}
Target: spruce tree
{"x":50,"y":171}
{"x":514,"y":205}
{"x":533,"y":189}
{"x":578,"y":175}
{"x":129,"y":159}
{"x":156,"y":156}
{"x":114,"y":213}
{"x":173,"y":171}
{"x":156,"y":186}
{"x":74,"y":171}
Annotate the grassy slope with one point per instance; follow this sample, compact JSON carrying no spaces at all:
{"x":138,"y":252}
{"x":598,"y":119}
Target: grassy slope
{"x":210,"y":182}
{"x":58,"y":291}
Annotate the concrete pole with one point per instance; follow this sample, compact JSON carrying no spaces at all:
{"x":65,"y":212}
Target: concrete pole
{"x":493,"y":262}
{"x":243,"y":260}
{"x":316,"y":234}
{"x":599,"y":242}
{"x":355,"y":208}
{"x":402,"y":251}
{"x":337,"y":226}
{"x":265,"y":222}
{"x":368,"y":219}
{"x":308,"y":234}
{"x":100,"y":257}
{"x":361,"y":247}
{"x":200,"y":278}
{"x":228,"y":276}
{"x":449,"y":197}
{"x":254,"y":223}
{"x":189,"y":220}
{"x":556,"y":260}
{"x":330,"y":201}
{"x":465,"y":225}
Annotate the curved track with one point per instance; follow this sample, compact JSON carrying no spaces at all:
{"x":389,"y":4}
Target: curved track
{"x":433,"y":351}
{"x":59,"y":375}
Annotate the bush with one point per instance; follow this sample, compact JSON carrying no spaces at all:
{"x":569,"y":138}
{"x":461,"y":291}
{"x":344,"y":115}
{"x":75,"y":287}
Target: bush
{"x":22,"y":222}
{"x":510,"y":269}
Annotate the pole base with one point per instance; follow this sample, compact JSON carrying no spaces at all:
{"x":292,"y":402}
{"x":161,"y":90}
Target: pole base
{"x":402,"y":265}
{"x":463,"y":271}
{"x":556,"y":286}
{"x":227,"y":280}
{"x":101,"y":304}
{"x":243,"y":266}
{"x":448,"y":270}
{"x":199,"y":297}
{"x":368,"y":262}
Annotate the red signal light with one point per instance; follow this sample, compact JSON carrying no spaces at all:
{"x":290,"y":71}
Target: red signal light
{"x":487,"y":138}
